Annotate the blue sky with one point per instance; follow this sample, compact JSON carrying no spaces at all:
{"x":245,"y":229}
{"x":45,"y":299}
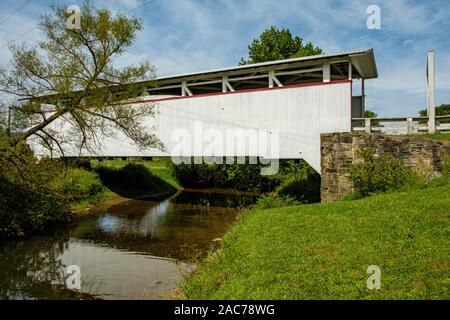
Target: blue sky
{"x":192,"y":35}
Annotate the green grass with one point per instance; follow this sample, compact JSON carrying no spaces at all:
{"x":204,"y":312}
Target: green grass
{"x":322,"y":251}
{"x":92,"y":200}
{"x":159,"y":167}
{"x":80,"y":187}
{"x":133,"y":179}
{"x":435,"y":136}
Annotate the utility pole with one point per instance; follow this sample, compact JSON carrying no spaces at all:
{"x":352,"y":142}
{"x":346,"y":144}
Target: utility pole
{"x":431,"y":110}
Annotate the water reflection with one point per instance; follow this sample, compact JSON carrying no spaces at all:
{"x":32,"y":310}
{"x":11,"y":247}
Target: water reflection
{"x":111,"y":273}
{"x":32,"y":269}
{"x":135,"y":250}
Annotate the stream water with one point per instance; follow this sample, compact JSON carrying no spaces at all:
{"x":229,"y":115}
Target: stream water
{"x":138,"y":249}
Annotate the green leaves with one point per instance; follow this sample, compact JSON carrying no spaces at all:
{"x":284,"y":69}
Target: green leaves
{"x":275,"y":44}
{"x":74,"y":72}
{"x":442,"y":110}
{"x":244,"y":177}
{"x":378,"y":174}
{"x":28,"y":204}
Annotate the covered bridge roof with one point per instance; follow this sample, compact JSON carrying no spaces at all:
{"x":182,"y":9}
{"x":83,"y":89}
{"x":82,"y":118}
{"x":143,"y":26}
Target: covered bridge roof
{"x":354,"y":64}
{"x":345,"y":65}
{"x":362,"y":59}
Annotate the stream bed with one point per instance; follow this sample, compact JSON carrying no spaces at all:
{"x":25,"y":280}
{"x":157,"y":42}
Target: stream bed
{"x":138,"y":249}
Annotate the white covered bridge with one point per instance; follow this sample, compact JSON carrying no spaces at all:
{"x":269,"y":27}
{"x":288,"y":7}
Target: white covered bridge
{"x":286,"y":104}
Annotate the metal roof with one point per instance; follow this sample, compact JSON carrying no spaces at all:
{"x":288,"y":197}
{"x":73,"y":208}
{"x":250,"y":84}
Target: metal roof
{"x":362,"y":59}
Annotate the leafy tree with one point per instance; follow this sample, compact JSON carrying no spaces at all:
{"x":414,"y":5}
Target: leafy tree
{"x":70,"y":78}
{"x":72,"y":73}
{"x":275,"y":44}
{"x":442,"y":110}
{"x":370,"y":114}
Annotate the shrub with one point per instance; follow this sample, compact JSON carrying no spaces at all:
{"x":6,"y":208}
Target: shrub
{"x":247,"y":177}
{"x":25,"y":209}
{"x":378,"y":174}
{"x":244,"y":177}
{"x":299,"y":181}
{"x":27,"y":203}
{"x":77,"y":184}
{"x":200,"y":175}
{"x":82,"y":163}
{"x":273,"y":200}
{"x":294,"y":179}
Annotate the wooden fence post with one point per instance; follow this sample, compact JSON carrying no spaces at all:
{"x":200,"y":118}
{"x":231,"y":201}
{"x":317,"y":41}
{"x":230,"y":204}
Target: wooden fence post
{"x":409,"y":126}
{"x":368,"y":125}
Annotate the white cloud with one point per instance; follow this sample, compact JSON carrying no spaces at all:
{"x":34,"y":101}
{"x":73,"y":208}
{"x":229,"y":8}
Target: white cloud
{"x":409,"y":17}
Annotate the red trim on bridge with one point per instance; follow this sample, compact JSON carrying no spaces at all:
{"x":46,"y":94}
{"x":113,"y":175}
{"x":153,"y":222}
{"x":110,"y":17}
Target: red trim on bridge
{"x":248,"y":90}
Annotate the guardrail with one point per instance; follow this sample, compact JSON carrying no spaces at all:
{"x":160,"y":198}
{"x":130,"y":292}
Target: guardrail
{"x":400,"y":125}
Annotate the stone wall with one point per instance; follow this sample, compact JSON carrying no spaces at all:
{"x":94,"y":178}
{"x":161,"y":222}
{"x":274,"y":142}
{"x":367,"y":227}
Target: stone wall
{"x":338,"y":150}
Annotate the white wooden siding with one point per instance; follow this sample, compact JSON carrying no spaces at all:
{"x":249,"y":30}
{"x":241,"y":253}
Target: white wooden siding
{"x":300,"y":113}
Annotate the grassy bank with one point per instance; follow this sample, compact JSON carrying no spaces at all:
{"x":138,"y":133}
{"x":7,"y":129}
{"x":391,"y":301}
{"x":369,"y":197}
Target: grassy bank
{"x":123,"y":179}
{"x":159,"y":167}
{"x":432,"y":136}
{"x":322,"y":251}
{"x":105,"y":196}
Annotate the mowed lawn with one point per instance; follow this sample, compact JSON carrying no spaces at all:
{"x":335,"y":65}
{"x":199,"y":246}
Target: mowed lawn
{"x":323,"y":251}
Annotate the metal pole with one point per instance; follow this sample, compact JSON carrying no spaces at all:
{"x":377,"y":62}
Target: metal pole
{"x":431,"y":111}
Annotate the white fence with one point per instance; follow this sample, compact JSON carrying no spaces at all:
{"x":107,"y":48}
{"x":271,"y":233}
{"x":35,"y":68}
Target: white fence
{"x":400,"y":125}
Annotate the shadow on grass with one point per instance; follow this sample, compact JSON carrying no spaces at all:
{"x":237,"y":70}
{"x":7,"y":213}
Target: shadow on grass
{"x":134,"y":180}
